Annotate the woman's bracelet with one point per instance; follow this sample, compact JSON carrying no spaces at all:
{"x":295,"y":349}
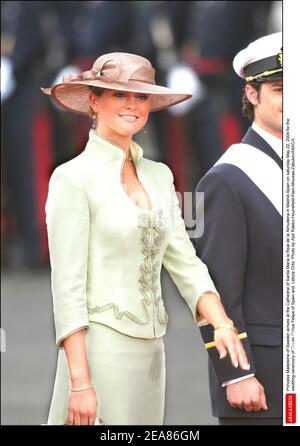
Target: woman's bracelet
{"x":80,"y":389}
{"x":228,"y":326}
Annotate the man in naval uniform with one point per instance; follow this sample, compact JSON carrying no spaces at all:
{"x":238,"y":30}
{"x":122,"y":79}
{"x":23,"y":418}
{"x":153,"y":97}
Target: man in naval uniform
{"x":242,"y":245}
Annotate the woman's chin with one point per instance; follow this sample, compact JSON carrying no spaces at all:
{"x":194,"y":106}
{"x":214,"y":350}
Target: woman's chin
{"x":130,"y":130}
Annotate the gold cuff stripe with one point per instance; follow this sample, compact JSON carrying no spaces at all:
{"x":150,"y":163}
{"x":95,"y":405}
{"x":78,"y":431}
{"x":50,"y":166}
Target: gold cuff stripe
{"x":213,"y":344}
{"x":265,"y":73}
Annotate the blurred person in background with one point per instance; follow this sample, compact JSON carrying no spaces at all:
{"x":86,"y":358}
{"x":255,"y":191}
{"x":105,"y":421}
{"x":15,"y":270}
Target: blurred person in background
{"x":216,"y":31}
{"x":195,"y":43}
{"x":242,"y":244}
{"x":165,"y":27}
{"x":21,"y":50}
{"x":106,"y":205}
{"x":38,"y":50}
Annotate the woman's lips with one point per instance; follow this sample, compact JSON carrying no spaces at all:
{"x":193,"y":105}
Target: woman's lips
{"x":129,"y":118}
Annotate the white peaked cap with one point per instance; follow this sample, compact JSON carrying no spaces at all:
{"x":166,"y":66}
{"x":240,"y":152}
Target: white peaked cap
{"x":261,"y":60}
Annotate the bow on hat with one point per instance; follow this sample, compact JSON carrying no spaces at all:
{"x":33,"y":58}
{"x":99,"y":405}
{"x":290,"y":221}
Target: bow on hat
{"x":112,"y":71}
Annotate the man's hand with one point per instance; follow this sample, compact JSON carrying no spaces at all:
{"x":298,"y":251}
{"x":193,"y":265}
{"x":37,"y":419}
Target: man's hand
{"x":247,"y":395}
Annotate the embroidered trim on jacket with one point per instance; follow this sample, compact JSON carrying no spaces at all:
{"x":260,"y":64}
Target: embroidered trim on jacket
{"x":152,"y":237}
{"x":120,"y":314}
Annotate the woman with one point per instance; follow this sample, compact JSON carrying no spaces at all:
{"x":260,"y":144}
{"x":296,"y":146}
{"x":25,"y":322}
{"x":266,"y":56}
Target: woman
{"x":113,"y":219}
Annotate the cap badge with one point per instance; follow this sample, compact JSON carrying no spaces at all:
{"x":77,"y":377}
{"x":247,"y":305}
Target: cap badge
{"x":279,"y":58}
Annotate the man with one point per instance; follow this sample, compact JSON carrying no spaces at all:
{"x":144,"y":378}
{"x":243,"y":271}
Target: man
{"x":242,"y":245}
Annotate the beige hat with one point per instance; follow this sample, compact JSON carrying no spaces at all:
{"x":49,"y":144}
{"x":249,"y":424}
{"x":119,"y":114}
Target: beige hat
{"x":115,"y":71}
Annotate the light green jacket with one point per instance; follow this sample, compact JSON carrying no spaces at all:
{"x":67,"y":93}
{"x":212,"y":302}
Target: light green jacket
{"x":106,"y":253}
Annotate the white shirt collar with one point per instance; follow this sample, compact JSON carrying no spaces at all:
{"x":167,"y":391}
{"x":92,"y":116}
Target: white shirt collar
{"x":273,"y":141}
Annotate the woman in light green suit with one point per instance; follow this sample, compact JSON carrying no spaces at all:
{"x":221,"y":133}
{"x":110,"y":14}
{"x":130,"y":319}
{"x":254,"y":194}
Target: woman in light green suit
{"x":113,"y":219}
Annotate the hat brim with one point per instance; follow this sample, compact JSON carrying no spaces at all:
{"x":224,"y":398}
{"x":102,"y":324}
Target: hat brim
{"x":74,"y":96}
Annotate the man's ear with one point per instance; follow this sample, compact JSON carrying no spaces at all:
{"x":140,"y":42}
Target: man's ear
{"x":252,"y":94}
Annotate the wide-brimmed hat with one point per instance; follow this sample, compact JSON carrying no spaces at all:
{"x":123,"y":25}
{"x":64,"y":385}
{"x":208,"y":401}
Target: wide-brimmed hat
{"x":115,"y":71}
{"x":262,"y":60}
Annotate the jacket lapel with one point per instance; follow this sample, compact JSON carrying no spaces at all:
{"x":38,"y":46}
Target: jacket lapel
{"x":254,"y":139}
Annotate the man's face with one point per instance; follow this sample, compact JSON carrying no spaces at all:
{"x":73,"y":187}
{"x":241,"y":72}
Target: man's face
{"x":267,"y":106}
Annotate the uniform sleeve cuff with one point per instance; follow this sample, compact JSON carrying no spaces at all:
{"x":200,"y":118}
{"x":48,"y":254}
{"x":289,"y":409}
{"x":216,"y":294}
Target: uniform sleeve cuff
{"x":233,"y":381}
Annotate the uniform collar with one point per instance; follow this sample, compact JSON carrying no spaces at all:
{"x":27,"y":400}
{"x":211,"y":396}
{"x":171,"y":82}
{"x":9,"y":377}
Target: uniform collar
{"x":273,"y":141}
{"x":110,"y":152}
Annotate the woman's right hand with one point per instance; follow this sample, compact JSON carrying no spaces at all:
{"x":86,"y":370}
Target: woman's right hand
{"x":82,"y":409}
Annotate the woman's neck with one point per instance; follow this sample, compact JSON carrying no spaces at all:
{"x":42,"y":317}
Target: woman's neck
{"x":123,"y":142}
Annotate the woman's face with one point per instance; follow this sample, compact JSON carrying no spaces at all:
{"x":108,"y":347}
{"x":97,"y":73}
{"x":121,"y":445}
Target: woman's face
{"x":120,"y":112}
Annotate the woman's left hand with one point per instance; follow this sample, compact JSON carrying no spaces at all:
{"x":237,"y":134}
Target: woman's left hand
{"x":227,"y":341}
{"x":209,"y":307}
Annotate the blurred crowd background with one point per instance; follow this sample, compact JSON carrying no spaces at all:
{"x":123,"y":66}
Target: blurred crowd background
{"x":188,"y":42}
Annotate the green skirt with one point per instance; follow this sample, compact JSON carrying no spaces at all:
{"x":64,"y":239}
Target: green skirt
{"x":128,"y":375}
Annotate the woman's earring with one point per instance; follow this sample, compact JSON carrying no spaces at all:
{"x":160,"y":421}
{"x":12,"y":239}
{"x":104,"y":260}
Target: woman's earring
{"x":94,"y":117}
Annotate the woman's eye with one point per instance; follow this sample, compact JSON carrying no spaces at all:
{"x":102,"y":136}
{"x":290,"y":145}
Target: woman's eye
{"x":140,"y":97}
{"x":143,"y":97}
